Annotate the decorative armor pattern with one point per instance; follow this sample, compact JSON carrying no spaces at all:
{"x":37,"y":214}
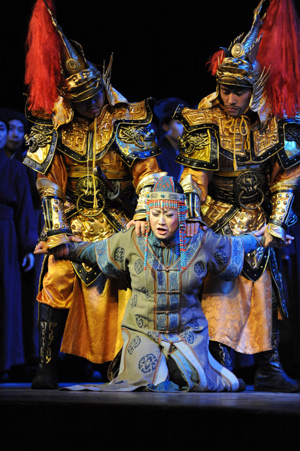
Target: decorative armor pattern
{"x":98,"y":164}
{"x":245,"y":198}
{"x":128,"y":126}
{"x":209,"y":133}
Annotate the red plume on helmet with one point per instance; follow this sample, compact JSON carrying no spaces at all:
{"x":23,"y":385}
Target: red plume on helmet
{"x":43,"y":59}
{"x":215,"y":60}
{"x":279,"y":50}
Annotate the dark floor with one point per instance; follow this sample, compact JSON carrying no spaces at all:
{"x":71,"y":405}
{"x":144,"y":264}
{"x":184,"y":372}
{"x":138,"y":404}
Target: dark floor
{"x":82,"y":420}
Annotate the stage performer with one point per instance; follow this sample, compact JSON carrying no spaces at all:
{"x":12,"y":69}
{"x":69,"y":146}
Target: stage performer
{"x":165,"y":333}
{"x":241,"y":149}
{"x":95,"y":154}
{"x":18,"y":237}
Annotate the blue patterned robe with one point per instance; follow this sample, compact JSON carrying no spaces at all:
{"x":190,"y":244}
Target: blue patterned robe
{"x":164,"y":321}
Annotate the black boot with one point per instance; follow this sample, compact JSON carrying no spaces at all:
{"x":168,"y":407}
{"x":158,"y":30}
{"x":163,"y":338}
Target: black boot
{"x":270,"y":376}
{"x":51,"y":324}
{"x":221,"y":353}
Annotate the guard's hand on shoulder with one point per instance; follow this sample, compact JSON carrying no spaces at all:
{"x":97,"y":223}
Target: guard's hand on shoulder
{"x":192,"y":228}
{"x":140,"y":227}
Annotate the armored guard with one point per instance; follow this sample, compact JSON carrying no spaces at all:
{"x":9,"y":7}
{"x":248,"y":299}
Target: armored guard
{"x":241,"y":150}
{"x":95,"y":157}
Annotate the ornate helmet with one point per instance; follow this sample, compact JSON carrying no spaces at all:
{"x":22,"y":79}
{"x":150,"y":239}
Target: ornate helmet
{"x":56,"y":67}
{"x":167,"y":194}
{"x":239,"y":67}
{"x":267,"y":59}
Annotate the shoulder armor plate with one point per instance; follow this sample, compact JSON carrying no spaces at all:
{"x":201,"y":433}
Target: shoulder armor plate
{"x":135,"y":135}
{"x":207,"y":133}
{"x":128,"y":125}
{"x":41,"y":143}
{"x":289,"y":155}
{"x":199,"y":145}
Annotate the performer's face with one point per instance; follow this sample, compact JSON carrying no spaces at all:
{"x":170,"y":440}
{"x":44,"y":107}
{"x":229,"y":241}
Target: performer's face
{"x":174,"y":129}
{"x":92,"y":107}
{"x":15,"y":137}
{"x":163,"y":223}
{"x":3,"y":134}
{"x":235,"y":99}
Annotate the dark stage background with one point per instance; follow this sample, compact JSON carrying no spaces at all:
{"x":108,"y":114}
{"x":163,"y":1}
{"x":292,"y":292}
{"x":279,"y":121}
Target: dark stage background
{"x":160,"y":50}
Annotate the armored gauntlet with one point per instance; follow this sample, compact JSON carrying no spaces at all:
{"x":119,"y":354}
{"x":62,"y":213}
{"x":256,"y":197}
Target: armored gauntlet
{"x":56,"y":226}
{"x":193,"y":196}
{"x":282,"y":215}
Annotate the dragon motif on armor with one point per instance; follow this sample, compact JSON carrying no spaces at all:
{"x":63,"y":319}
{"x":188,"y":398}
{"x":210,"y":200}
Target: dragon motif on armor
{"x":39,"y":137}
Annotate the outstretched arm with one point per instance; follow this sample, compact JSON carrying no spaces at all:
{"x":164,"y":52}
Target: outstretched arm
{"x":71,"y":251}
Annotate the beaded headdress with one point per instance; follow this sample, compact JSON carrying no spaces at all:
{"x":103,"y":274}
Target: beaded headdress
{"x":164,"y":195}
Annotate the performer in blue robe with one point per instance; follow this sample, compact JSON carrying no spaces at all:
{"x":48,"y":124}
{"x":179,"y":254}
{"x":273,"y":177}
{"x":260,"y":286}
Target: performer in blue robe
{"x":165,"y":333}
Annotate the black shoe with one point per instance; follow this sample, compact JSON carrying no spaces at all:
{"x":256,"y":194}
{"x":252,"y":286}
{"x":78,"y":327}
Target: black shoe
{"x":272,"y":378}
{"x":270,"y":375}
{"x":242,"y":385}
{"x":45,"y":379}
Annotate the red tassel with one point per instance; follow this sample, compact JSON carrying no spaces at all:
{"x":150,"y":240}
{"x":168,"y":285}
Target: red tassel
{"x":280,"y":50}
{"x":43,"y":58}
{"x":214,"y":61}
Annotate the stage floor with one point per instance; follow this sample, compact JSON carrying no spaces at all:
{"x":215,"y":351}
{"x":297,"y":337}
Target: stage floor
{"x":81,"y":420}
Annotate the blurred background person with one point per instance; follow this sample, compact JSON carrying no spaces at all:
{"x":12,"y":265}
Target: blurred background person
{"x":169,"y":130}
{"x":17,"y":128}
{"x":18,"y":237}
{"x":15,"y":148}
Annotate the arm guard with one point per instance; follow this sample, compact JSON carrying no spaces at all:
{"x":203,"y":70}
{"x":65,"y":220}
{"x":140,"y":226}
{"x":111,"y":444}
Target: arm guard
{"x":144,"y":187}
{"x":56,"y":225}
{"x":193,"y":197}
{"x":282,"y":215}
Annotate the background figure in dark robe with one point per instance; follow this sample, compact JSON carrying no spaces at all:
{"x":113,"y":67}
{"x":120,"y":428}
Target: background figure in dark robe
{"x":168,"y":130}
{"x":15,"y":148}
{"x":18,"y":237}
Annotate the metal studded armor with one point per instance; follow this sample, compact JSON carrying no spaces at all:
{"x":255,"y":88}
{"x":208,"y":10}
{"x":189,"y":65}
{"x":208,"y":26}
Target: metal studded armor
{"x":260,"y":188}
{"x":93,"y":204}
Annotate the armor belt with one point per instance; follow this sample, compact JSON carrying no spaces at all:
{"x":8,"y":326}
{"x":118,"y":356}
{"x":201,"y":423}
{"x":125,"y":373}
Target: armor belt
{"x":247,"y":188}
